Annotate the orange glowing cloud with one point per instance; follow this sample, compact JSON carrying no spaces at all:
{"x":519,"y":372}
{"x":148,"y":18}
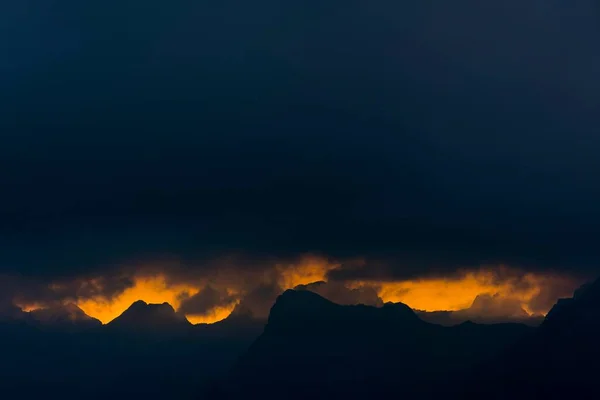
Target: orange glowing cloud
{"x":30,"y":307}
{"x":149,"y":289}
{"x":428,"y":294}
{"x":533,"y":292}
{"x":159,"y":289}
{"x":308,"y":270}
{"x":215,"y":315}
{"x":458,"y":293}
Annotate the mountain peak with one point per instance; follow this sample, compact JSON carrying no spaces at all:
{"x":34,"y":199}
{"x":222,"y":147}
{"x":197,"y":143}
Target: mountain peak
{"x":141,"y":315}
{"x":142,"y":305}
{"x":400,"y":310}
{"x":311,"y":341}
{"x":138,"y":304}
{"x":64,"y":315}
{"x":302,"y":298}
{"x":305,"y":311}
{"x":299,"y":305}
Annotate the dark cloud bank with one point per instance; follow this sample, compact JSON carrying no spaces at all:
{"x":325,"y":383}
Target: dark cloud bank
{"x":424,"y":137}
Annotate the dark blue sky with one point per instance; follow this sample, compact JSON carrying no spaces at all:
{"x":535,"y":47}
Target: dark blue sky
{"x":427,"y":134}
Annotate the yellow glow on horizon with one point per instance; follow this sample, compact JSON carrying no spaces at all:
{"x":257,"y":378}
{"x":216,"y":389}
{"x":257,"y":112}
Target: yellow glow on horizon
{"x":216,"y":315}
{"x":440,"y":294}
{"x":427,"y":294}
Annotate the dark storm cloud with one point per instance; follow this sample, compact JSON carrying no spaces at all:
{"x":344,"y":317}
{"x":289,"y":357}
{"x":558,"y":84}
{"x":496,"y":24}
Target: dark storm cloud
{"x":259,"y":300}
{"x":94,"y":287}
{"x":205,"y":301}
{"x":27,"y":290}
{"x":400,"y":267}
{"x":431,"y":136}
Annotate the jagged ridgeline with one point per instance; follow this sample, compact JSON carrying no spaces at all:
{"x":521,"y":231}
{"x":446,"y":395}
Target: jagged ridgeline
{"x":308,"y":347}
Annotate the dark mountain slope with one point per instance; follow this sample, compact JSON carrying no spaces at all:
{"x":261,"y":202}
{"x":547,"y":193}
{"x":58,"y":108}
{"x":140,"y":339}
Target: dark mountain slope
{"x":148,"y":352}
{"x":313,"y":347}
{"x":560,"y":361}
{"x":144,"y":317}
{"x":65,"y":317}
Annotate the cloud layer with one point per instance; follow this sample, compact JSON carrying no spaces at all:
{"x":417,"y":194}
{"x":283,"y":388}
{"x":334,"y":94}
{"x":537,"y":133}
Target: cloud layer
{"x":210,"y":294}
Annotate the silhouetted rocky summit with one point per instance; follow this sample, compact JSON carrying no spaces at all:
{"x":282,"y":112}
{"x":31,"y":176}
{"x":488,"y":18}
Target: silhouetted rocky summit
{"x":141,"y":316}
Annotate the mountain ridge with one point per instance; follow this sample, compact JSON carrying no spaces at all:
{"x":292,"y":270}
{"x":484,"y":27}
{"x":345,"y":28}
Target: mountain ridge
{"x":149,"y":317}
{"x":310,"y":341}
{"x":311,"y":346}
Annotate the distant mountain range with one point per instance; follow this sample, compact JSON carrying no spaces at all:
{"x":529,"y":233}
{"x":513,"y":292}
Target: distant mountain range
{"x":309,"y":347}
{"x":149,"y":351}
{"x":486,"y":309}
{"x":142,"y":317}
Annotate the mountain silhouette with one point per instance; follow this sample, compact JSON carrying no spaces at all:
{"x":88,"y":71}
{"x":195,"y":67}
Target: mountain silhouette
{"x":149,"y":318}
{"x":577,"y":315}
{"x":311,"y":345}
{"x":485,"y":309}
{"x":150,"y":351}
{"x":67,"y":316}
{"x":559,"y":361}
